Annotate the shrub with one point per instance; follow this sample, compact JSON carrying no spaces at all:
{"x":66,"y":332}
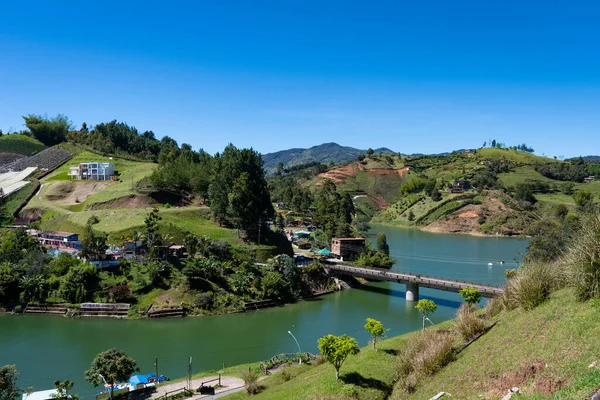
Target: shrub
{"x":424,"y":355}
{"x":319,"y":359}
{"x":582,"y":261}
{"x":349,"y":391}
{"x":251,"y":381}
{"x":530,"y":286}
{"x":467,"y":323}
{"x":493,"y":307}
{"x":204,"y":301}
{"x":285,"y":375}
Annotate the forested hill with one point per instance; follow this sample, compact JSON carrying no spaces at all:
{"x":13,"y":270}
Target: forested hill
{"x":323,"y":153}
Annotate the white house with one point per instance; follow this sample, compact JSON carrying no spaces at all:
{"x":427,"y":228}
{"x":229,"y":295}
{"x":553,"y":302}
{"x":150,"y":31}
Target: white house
{"x":92,"y":171}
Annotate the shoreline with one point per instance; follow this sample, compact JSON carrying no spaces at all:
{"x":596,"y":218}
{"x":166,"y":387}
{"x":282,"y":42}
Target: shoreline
{"x":4,"y":311}
{"x":440,"y":231}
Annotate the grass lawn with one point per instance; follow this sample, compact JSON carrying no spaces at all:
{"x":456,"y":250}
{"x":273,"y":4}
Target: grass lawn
{"x":518,"y":157}
{"x":370,"y":373}
{"x":20,"y":144}
{"x":523,"y":175}
{"x":555,"y":198}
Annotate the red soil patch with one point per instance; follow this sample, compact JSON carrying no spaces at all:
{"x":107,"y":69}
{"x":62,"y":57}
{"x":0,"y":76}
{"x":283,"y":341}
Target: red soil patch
{"x":339,"y":175}
{"x":379,"y":202}
{"x":500,"y":385}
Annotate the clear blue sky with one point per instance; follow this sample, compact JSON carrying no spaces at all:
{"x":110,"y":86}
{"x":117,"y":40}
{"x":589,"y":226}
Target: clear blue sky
{"x":414,"y":76}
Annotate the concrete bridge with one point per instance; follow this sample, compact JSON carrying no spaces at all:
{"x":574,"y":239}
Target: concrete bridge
{"x":413,"y":281}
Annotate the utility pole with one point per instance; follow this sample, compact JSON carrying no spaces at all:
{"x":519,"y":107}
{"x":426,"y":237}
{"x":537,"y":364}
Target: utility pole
{"x":156,"y":365}
{"x":190,"y":374}
{"x":259,"y":226}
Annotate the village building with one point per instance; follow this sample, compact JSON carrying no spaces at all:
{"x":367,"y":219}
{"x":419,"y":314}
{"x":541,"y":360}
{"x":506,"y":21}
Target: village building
{"x":66,"y":240}
{"x":460,"y":186}
{"x":93,"y":171}
{"x":589,"y":179}
{"x":347,"y":248}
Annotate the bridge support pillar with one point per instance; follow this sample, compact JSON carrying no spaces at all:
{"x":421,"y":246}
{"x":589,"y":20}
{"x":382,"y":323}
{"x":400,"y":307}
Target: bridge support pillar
{"x":412,"y":291}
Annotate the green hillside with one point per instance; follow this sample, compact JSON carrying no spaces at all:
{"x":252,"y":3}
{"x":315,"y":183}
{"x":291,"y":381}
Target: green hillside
{"x":20,"y":144}
{"x":549,"y":358}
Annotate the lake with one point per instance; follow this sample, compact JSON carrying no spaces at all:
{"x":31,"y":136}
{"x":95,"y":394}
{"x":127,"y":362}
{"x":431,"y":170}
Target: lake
{"x":46,"y":348}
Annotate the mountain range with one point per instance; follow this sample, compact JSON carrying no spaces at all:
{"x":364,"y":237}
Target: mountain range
{"x":323,"y":153}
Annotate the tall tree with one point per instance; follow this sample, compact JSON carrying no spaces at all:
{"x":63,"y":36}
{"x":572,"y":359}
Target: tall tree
{"x":152,"y":232}
{"x":9,"y":375}
{"x":238,"y":193}
{"x":49,"y":131}
{"x":382,"y":244}
{"x":112,"y":365}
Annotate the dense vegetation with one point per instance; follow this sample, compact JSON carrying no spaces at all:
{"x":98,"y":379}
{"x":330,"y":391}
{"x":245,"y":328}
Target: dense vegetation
{"x":20,"y":144}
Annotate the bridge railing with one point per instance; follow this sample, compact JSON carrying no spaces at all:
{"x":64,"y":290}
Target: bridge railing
{"x":412,"y":276}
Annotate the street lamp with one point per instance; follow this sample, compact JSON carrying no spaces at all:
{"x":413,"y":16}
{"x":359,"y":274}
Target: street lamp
{"x":106,"y":383}
{"x":299,"y":351}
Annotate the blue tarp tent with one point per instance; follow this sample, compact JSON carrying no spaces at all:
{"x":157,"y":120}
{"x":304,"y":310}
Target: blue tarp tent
{"x":140,"y":378}
{"x":324,"y":252}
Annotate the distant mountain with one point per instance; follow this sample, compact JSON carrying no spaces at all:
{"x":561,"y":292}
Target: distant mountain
{"x":323,"y":153}
{"x":590,"y":159}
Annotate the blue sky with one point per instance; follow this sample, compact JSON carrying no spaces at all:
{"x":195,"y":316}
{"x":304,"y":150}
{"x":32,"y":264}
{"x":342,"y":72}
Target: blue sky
{"x":412,"y":76}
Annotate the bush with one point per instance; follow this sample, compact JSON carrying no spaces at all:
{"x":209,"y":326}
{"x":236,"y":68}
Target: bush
{"x":424,"y":355}
{"x":251,"y":381}
{"x":204,"y":301}
{"x":493,"y":307}
{"x":582,"y":260}
{"x":18,"y":309}
{"x":349,"y":391}
{"x":531,"y":285}
{"x":467,"y":323}
{"x":285,"y":375}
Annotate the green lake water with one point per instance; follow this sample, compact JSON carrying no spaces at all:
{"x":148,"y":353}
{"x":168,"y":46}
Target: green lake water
{"x":46,"y":348}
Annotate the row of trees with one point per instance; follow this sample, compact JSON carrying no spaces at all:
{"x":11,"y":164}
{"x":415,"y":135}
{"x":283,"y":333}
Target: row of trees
{"x":498,"y":145}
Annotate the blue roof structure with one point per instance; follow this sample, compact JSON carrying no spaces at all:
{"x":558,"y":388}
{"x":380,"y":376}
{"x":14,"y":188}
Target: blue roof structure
{"x":140,"y":378}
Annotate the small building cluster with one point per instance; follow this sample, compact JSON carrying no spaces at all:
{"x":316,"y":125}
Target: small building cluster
{"x":93,"y":171}
{"x":460,"y":186}
{"x":589,"y":179}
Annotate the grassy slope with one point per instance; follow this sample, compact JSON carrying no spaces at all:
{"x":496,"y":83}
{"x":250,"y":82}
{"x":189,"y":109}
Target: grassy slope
{"x":11,"y":202}
{"x":371,"y":372}
{"x":561,"y":333}
{"x":130,"y":172}
{"x":20,"y":144}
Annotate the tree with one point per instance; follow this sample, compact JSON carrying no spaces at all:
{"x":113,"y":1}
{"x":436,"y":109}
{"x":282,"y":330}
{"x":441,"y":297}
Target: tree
{"x":48,"y":131}
{"x":9,"y":283}
{"x":112,"y":365}
{"x":335,"y":349}
{"x":493,"y":143}
{"x":9,"y":375}
{"x":62,"y":389}
{"x":470,"y":295}
{"x":76,"y":285}
{"x":376,"y":329}
{"x":152,"y":233}
{"x":34,"y":288}
{"x":523,"y":192}
{"x":435,"y":194}
{"x":93,"y":244}
{"x":192,"y":244}
{"x":411,"y":215}
{"x":382,"y":244}
{"x":426,"y":307}
{"x":239,"y":193}
{"x":279,"y":168}
{"x":370,"y":152}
